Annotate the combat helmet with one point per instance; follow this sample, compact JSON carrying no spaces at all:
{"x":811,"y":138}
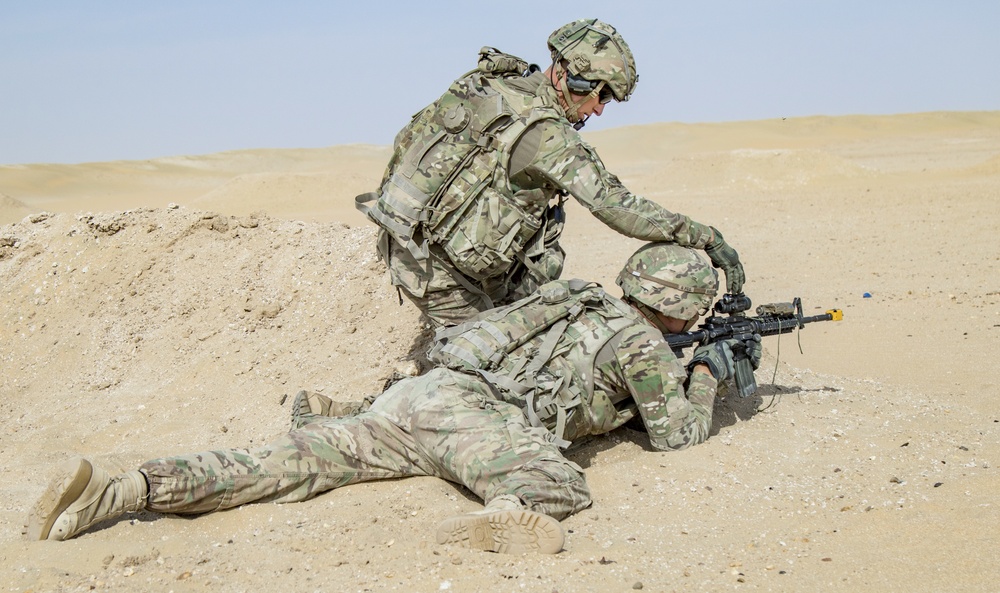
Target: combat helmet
{"x":673,"y":280}
{"x":594,"y":53}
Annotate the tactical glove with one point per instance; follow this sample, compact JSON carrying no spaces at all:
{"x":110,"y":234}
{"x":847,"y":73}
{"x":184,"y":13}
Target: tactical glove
{"x":725,"y":257}
{"x":749,"y":349}
{"x":719,"y":358}
{"x":746,"y":359}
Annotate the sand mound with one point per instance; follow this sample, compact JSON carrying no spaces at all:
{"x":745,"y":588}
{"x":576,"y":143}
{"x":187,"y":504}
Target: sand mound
{"x":142,"y":310}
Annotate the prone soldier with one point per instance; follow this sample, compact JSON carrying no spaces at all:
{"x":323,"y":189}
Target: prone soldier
{"x":566,"y":362}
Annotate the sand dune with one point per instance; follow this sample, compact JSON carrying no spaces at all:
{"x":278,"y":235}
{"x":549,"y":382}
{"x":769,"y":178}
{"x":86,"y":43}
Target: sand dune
{"x":12,"y":209}
{"x":176,"y":304}
{"x":122,"y":185}
{"x":296,"y":195}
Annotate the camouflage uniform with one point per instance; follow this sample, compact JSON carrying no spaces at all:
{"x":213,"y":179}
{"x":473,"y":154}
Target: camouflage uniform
{"x":458,"y":426}
{"x":542,"y":159}
{"x":444,"y":424}
{"x":518,"y":385}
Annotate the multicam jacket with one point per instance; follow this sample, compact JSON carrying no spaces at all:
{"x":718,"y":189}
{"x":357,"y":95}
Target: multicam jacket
{"x":482,"y":170}
{"x":581,"y":362}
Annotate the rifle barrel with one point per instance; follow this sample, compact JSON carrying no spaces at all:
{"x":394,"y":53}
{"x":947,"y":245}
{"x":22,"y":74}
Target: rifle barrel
{"x":716,"y":328}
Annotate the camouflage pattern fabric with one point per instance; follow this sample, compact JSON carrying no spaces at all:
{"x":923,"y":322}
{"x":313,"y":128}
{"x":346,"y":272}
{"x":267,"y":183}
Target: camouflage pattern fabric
{"x":608,"y":366}
{"x":446,"y":181}
{"x":604,"y":366}
{"x":595,"y":51}
{"x":675,"y":281}
{"x":539,"y":351}
{"x":545,"y":160}
{"x":676,"y":410}
{"x":451,"y":425}
{"x":442,"y":424}
{"x":433,"y":284}
{"x":561,"y":161}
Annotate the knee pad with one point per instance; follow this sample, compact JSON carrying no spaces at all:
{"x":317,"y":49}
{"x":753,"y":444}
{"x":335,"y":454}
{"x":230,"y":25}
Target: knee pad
{"x":555,"y":487}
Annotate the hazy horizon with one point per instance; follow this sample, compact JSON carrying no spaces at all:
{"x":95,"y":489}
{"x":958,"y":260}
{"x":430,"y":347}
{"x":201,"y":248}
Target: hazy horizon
{"x":117,"y":81}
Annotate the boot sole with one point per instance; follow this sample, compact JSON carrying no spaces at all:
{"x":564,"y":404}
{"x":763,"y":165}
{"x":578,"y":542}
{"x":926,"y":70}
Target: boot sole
{"x":506,"y":532}
{"x":68,"y":484}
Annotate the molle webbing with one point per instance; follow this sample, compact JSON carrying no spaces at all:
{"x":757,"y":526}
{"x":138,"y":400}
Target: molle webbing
{"x":530,"y":353}
{"x":447,"y":182}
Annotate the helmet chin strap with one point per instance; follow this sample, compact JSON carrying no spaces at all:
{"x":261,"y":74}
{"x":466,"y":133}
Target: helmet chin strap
{"x":573,"y":107}
{"x":649,"y":314}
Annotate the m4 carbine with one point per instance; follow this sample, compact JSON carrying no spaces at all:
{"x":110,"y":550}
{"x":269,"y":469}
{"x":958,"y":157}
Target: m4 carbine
{"x":729,"y":321}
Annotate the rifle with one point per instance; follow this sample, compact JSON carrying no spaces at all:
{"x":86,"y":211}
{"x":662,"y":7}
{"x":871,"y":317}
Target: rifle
{"x":773,"y":319}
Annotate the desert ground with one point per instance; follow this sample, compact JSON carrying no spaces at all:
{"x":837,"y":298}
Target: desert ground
{"x":177,"y":304}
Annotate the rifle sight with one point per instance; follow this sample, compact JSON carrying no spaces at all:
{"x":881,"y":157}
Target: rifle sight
{"x":732,"y":303}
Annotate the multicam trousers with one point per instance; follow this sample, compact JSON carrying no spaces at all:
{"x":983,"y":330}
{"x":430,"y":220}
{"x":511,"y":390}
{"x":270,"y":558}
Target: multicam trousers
{"x":444,"y":424}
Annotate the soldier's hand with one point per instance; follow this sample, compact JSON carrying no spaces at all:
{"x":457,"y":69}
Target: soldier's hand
{"x":719,"y":358}
{"x":725,"y":257}
{"x":750,"y":349}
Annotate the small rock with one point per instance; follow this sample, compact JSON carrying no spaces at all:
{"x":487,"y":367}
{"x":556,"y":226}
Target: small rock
{"x":408,"y":368}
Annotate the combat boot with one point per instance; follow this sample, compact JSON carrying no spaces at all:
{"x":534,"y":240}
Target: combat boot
{"x":309,"y":406}
{"x":81,"y":496}
{"x":504,"y":526}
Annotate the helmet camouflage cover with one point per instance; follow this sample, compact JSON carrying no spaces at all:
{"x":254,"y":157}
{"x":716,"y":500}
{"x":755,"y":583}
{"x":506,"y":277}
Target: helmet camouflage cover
{"x":673,"y":280}
{"x":596,"y":52}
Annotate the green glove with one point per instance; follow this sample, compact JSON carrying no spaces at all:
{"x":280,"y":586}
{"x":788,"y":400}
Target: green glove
{"x":719,"y":358}
{"x":750,"y":349}
{"x":725,"y":257}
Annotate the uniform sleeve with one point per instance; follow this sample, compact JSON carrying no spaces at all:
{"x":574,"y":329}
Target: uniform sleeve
{"x":675,"y":418}
{"x":564,"y":161}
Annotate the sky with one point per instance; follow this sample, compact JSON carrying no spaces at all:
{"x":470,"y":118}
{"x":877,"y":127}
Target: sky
{"x":126,"y":80}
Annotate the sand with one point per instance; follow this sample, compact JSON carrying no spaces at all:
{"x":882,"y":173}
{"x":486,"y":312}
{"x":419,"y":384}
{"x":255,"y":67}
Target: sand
{"x":177,"y":304}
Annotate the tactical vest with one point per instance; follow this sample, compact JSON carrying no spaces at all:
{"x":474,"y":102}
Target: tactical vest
{"x":541,"y":351}
{"x":447,"y":181}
